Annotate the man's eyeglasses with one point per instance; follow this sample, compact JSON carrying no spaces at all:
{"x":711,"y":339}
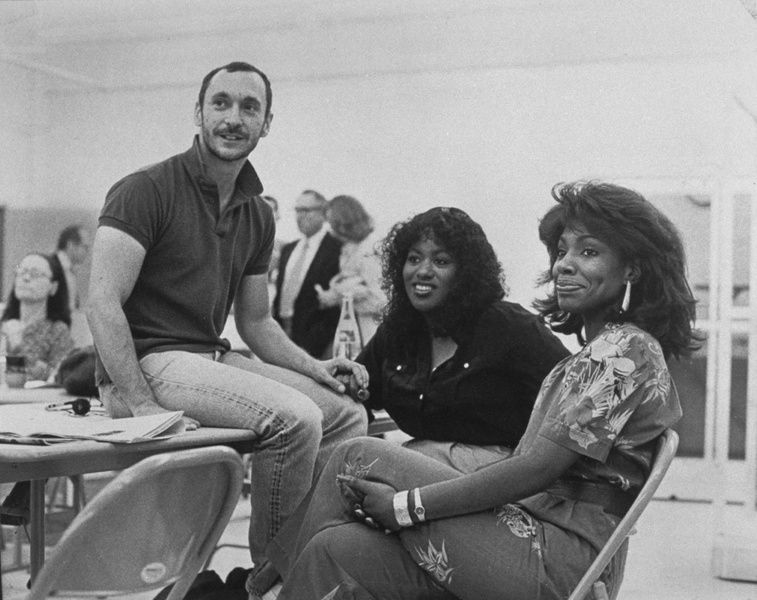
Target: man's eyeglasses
{"x":308,"y":209}
{"x":32,"y":273}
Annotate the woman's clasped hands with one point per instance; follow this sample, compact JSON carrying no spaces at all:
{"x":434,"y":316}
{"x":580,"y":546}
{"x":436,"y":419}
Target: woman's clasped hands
{"x":372,"y":502}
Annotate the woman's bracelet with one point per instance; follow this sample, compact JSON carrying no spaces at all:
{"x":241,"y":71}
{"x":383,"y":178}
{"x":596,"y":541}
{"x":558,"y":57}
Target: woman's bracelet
{"x":401,"y":510}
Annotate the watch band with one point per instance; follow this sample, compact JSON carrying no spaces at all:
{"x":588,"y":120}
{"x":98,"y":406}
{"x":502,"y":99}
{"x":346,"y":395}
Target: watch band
{"x":418,"y":509}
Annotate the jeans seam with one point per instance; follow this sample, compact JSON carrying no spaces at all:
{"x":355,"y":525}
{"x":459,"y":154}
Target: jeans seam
{"x":282,"y":433}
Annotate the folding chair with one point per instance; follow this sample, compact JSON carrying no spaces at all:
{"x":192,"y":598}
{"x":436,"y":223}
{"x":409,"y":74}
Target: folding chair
{"x":154,"y":525}
{"x":590,"y":582}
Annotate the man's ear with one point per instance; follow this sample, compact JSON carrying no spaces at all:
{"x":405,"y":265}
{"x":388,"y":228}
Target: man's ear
{"x":267,"y":125}
{"x":633,"y":272}
{"x":198,"y":114}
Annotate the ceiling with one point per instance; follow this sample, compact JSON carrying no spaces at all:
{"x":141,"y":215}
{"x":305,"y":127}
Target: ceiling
{"x":125,"y":41}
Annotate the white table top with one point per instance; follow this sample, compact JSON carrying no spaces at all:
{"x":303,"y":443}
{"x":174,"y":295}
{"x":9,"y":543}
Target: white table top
{"x":40,"y":395}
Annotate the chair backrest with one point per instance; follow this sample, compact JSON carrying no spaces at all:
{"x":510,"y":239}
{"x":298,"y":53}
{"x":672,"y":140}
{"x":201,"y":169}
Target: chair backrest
{"x":667,"y":445}
{"x":155,"y":524}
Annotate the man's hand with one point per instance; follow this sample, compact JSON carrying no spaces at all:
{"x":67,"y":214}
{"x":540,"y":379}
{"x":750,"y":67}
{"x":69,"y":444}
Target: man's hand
{"x":333,"y":372}
{"x":151,"y":408}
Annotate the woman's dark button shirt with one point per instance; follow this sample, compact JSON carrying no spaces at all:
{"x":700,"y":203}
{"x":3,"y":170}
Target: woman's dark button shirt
{"x":483,"y":394}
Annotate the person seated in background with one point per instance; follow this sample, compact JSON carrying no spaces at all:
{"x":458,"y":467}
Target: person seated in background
{"x":35,"y":324}
{"x":530,"y":525}
{"x":37,"y":318}
{"x":359,"y":264}
{"x":455,"y":365}
{"x":311,"y":260}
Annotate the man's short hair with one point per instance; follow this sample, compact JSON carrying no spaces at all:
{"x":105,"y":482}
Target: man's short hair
{"x":320,"y":198}
{"x":72,"y":233}
{"x":233,"y":67}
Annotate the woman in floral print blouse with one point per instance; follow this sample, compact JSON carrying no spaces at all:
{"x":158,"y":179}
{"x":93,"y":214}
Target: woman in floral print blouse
{"x":383,"y":522}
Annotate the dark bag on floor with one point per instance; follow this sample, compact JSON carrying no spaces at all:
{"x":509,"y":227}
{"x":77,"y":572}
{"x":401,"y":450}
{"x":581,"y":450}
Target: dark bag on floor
{"x":209,"y":586}
{"x":76,"y":372}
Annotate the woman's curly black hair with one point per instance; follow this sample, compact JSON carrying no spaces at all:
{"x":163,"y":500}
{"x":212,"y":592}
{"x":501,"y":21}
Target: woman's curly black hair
{"x":661,"y":300}
{"x":479,"y":280}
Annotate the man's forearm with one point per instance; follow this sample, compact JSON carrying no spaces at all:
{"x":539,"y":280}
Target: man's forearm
{"x":115,"y":346}
{"x":269,"y":343}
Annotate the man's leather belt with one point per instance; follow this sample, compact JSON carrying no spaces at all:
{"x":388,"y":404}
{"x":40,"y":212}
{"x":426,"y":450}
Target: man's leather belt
{"x":614,"y":500}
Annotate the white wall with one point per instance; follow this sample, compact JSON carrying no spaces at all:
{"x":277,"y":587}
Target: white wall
{"x":492,"y":142}
{"x":481,"y":107}
{"x":18,"y":130}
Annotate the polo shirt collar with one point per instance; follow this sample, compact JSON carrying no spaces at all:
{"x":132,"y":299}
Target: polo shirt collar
{"x":248,"y":182}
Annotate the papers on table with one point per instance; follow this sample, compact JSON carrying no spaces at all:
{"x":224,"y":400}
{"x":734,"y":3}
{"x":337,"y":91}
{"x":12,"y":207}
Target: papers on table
{"x":33,"y":424}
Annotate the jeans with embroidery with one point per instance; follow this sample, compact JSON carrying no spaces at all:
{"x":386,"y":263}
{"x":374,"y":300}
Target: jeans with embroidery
{"x":324,"y":553}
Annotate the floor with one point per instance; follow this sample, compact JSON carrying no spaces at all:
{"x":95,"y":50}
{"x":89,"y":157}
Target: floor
{"x":669,"y":556}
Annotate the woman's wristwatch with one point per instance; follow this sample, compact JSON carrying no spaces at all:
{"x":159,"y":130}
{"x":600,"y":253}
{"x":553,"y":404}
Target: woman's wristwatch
{"x":408,"y":508}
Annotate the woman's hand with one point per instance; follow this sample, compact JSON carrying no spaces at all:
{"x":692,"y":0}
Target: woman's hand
{"x":14,"y":330}
{"x":371,"y":500}
{"x":327,"y":298}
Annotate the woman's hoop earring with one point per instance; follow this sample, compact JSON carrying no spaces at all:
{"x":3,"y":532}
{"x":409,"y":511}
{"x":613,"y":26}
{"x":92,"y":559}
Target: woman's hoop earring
{"x":626,"y":298}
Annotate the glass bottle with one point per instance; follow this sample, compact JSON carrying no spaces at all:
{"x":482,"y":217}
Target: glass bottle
{"x":348,"y":342}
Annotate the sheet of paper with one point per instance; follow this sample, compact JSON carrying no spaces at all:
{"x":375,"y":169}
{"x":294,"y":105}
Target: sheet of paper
{"x":33,"y":421}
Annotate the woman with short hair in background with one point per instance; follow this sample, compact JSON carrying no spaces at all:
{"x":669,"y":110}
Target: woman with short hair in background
{"x":359,"y":264}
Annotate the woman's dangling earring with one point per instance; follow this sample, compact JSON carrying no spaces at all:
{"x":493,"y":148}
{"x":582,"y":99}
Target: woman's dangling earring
{"x":626,"y":298}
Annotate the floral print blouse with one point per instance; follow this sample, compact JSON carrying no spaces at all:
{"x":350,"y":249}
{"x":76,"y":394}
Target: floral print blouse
{"x":609,"y":403}
{"x":44,"y":344}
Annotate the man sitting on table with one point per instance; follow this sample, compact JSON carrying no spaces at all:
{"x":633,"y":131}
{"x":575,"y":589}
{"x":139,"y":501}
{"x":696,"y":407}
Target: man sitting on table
{"x":177,"y":243}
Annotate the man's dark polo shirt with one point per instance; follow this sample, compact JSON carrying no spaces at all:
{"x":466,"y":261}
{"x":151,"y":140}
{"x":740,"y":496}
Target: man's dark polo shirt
{"x":195,"y":258}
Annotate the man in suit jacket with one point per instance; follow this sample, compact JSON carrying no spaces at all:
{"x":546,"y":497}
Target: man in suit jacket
{"x":67,"y":261}
{"x":312,"y":259}
{"x":72,"y":250}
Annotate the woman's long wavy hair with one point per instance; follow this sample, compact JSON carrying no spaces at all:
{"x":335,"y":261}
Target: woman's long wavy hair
{"x":661,"y":300}
{"x":57,"y":304}
{"x":479,"y":280}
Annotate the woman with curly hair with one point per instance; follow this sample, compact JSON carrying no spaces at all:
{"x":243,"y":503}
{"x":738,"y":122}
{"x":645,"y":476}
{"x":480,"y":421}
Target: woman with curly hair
{"x":454,"y":364}
{"x":527,"y":526}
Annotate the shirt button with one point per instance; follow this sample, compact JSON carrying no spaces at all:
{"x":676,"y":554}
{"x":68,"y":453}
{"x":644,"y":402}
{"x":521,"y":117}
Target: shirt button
{"x":399,"y":367}
{"x":466,"y":365}
{"x":420,"y":397}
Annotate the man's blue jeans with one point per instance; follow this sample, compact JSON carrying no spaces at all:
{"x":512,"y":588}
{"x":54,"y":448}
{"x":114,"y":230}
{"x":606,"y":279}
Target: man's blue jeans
{"x":298,"y":421}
